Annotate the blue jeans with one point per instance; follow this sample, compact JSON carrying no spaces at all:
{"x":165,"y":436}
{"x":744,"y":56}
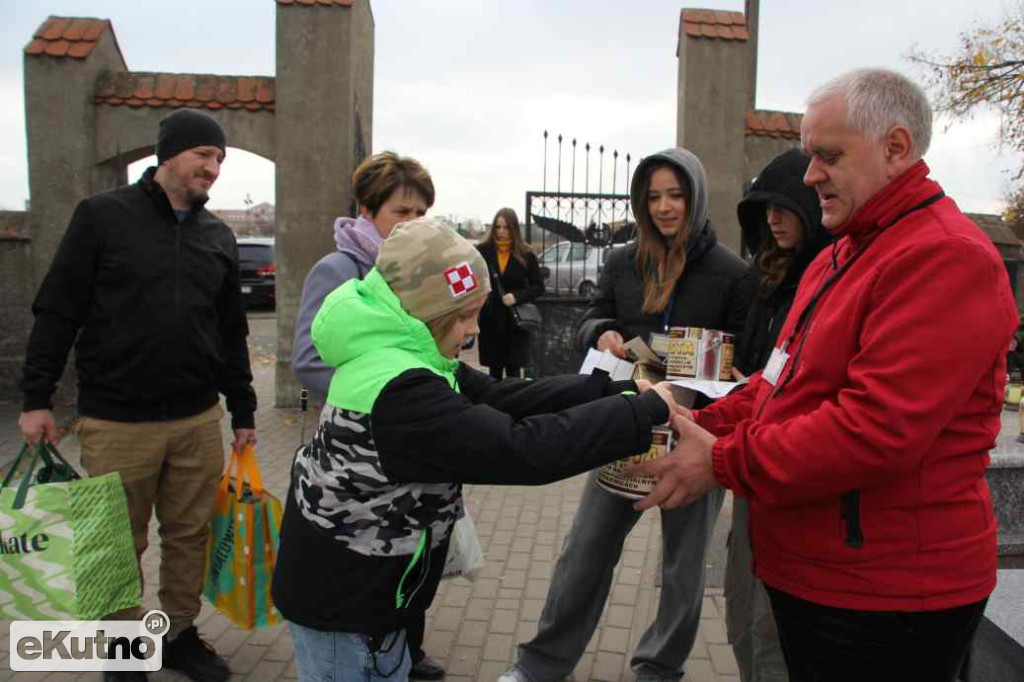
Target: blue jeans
{"x":349,"y":656}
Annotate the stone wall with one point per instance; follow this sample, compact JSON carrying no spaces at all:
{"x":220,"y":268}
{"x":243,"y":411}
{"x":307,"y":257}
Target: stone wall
{"x":759,"y":151}
{"x":554,"y":348}
{"x":16,"y":290}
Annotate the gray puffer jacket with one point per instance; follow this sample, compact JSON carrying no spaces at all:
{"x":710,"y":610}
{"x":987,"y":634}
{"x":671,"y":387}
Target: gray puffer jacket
{"x":357,"y":242}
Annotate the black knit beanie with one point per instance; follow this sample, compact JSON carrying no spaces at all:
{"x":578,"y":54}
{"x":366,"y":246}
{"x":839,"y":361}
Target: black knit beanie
{"x":185,"y":129}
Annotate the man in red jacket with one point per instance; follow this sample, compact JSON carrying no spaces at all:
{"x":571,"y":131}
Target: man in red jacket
{"x":863,"y":444}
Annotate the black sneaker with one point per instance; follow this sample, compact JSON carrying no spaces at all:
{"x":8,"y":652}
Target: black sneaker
{"x":195,"y":658}
{"x":426,"y":669}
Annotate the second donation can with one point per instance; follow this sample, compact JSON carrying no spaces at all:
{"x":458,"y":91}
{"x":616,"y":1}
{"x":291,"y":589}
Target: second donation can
{"x":698,"y":353}
{"x":612,"y":478}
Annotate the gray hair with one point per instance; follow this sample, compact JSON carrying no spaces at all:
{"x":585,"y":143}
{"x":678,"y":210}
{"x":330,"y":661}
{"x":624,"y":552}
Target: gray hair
{"x":877,"y":100}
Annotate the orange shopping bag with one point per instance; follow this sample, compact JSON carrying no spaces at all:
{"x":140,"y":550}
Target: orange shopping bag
{"x":243,"y":543}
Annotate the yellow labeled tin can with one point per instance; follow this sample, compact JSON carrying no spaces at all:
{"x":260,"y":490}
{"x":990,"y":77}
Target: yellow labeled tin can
{"x":612,"y":478}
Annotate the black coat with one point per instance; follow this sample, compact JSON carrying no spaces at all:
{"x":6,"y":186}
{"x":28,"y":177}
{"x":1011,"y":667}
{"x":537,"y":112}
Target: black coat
{"x":780,"y":183}
{"x":501,"y":344}
{"x":714,"y":291}
{"x":153,"y":308}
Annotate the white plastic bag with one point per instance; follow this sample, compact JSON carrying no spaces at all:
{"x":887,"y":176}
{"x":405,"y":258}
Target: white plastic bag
{"x":465,"y":557}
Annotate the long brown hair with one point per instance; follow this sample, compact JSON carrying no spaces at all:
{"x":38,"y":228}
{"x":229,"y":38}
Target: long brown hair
{"x":661,"y":262}
{"x":519,"y":247}
{"x":772,"y":264}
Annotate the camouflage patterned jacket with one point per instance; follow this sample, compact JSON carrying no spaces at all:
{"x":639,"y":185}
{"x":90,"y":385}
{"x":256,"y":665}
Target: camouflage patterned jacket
{"x":374,"y":496}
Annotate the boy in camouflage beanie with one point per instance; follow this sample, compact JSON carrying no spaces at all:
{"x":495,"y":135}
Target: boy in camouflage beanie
{"x":432,"y":269}
{"x":375,"y":495}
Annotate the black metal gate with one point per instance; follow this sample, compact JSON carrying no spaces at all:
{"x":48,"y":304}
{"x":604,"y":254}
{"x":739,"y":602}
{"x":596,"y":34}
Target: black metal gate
{"x":574,"y":232}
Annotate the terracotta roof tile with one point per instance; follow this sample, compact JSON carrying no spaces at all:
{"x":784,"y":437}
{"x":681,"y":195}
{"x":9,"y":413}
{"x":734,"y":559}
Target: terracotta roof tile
{"x":164,"y":86}
{"x":185,"y":89}
{"x":95,"y":30}
{"x":227,"y":91}
{"x":246,"y":91}
{"x":67,"y":37}
{"x":752,"y":124}
{"x":58,"y":48}
{"x":778,"y":124}
{"x":726,"y":32}
{"x":206,"y":88}
{"x":265,"y":91}
{"x":174,"y":90}
{"x":145,"y":86}
{"x":76,"y":29}
{"x":703,"y":23}
{"x":53,"y":28}
{"x":37,"y":46}
{"x":80,"y":50}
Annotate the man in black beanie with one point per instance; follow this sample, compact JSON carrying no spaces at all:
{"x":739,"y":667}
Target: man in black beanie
{"x":144,"y":284}
{"x":190,"y":147}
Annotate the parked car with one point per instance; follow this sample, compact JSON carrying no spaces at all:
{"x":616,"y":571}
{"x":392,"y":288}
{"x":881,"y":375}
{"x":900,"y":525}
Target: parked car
{"x":572,"y":267}
{"x":257,"y":271}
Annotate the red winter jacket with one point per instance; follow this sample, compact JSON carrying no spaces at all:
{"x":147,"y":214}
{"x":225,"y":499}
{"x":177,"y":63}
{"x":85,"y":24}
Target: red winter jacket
{"x":865,"y":470}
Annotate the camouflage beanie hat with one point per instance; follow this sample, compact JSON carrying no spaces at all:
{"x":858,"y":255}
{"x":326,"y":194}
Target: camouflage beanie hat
{"x":432,"y":269}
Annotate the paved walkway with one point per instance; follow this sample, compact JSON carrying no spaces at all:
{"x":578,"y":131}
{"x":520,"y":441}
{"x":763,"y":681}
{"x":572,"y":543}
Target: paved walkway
{"x":472,"y":627}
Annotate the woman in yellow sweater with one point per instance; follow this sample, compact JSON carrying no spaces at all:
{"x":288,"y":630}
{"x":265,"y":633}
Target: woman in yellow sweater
{"x":516,"y":279}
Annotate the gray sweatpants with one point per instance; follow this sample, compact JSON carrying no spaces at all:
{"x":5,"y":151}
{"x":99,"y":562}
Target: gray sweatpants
{"x":748,"y":612}
{"x":583,"y":577}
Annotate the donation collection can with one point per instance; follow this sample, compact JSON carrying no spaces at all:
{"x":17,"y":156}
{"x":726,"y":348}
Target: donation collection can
{"x":611,"y":476}
{"x":698,"y":353}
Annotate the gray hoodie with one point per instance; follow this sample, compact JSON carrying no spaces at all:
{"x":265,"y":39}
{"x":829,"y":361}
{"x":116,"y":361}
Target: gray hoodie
{"x":358,"y":242}
{"x":693,"y":169}
{"x":715,"y":290}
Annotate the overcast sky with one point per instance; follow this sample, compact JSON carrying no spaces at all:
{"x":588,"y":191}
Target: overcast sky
{"x":469,"y":86}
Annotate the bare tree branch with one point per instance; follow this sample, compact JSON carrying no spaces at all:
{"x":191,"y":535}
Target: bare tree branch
{"x":986,"y":71}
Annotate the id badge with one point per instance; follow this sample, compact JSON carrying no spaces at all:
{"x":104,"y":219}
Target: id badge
{"x":776,"y":363}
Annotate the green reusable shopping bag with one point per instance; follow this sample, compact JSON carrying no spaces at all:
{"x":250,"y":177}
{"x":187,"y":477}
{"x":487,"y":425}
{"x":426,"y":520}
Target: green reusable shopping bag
{"x":66,"y":548}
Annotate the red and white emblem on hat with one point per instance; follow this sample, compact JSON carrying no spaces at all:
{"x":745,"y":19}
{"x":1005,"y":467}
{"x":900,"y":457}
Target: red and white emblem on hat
{"x":461,"y":279}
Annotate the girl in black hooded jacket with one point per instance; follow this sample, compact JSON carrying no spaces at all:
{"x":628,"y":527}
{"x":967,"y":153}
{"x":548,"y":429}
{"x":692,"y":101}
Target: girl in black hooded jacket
{"x":781,"y":221}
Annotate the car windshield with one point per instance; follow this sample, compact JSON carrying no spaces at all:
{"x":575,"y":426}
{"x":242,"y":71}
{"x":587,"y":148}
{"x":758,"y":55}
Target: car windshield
{"x":550,"y":256}
{"x":255,"y":253}
{"x":579,"y":252}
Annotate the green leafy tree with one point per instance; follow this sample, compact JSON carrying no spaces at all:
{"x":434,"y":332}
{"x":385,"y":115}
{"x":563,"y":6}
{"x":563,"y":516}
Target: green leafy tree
{"x":986,"y":71}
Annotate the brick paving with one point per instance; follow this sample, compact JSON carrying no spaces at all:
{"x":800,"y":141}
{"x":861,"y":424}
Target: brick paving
{"x":472,"y":628}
